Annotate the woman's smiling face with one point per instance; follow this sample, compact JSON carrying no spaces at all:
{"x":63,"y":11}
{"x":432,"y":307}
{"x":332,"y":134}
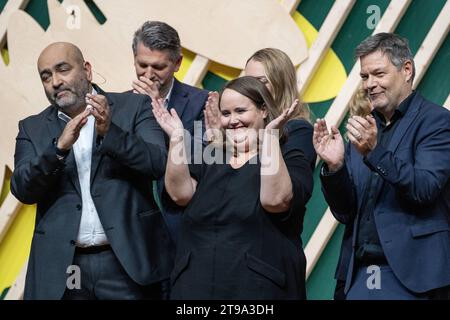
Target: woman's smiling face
{"x":241,"y":118}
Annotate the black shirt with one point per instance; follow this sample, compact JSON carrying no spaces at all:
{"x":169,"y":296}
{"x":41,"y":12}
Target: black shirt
{"x":368,"y":247}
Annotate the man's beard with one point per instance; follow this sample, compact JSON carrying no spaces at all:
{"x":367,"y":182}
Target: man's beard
{"x":73,"y":97}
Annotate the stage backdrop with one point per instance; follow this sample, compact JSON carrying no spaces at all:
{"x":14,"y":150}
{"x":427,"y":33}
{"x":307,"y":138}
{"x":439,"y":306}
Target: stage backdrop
{"x":217,"y":37}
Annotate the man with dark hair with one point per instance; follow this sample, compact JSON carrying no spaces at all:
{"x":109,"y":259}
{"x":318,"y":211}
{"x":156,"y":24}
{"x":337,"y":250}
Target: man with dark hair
{"x":157,"y":56}
{"x":391,"y":181}
{"x":87,"y":161}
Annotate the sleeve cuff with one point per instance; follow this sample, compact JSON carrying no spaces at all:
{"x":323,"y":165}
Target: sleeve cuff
{"x":374,"y":157}
{"x":324,"y":171}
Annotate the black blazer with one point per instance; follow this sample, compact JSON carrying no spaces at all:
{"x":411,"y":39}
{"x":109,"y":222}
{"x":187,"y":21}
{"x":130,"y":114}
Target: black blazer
{"x":130,"y":156}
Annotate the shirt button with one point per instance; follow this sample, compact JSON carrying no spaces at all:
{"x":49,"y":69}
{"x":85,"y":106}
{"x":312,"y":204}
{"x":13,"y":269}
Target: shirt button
{"x":78,"y":206}
{"x":72,"y":242}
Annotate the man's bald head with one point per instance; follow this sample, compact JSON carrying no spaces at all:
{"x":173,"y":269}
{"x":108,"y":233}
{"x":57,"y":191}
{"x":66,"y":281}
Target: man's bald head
{"x":60,"y":49}
{"x":65,"y":75}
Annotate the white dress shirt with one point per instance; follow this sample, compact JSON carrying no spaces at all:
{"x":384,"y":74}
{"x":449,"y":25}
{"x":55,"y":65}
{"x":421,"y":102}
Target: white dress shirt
{"x":167,"y":97}
{"x":91,"y":232}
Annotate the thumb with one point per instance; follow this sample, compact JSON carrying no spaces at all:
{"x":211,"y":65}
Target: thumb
{"x":371,"y":119}
{"x":174,"y":113}
{"x":334,"y":130}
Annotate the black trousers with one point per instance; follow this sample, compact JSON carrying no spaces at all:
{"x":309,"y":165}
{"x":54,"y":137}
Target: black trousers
{"x":102,"y":277}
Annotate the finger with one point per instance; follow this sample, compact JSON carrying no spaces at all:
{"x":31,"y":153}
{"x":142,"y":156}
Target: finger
{"x":82,"y":123}
{"x":354,"y":132}
{"x":207,"y":126}
{"x":97,"y":106}
{"x":97,"y":116}
{"x":161,"y":107}
{"x":208,"y":112}
{"x":323,"y":124}
{"x":139,"y":83}
{"x":284,"y":114}
{"x":158,"y":116}
{"x":213,"y":119}
{"x":363,"y":122}
{"x":84,"y":114}
{"x":158,"y":112}
{"x":96,"y":97}
{"x":371,"y":120}
{"x":138,"y":88}
{"x":213,"y":105}
{"x":98,"y":100}
{"x":353,"y":139}
{"x":76,"y":121}
{"x":155,"y":110}
{"x":317,"y":137}
{"x":174,"y":113}
{"x":156,"y":105}
{"x":317,"y":129}
{"x":323,"y":128}
{"x":213,"y":95}
{"x":162,"y":113}
{"x":293,"y":106}
{"x":209,"y":106}
{"x":101,"y":102}
{"x":357,"y":125}
{"x":335,"y":132}
{"x":146,"y":82}
{"x":162,"y":104}
{"x":150,"y":85}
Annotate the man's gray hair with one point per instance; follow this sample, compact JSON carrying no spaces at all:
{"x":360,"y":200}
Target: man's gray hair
{"x":395,"y":47}
{"x":157,"y":35}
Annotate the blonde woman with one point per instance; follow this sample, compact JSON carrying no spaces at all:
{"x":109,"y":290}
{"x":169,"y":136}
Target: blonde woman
{"x":275,"y":69}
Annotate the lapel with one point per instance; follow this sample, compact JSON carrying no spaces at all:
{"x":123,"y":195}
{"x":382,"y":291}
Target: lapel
{"x":96,"y":155}
{"x":405,"y":123}
{"x":179,"y":98}
{"x":364,"y":172}
{"x":55,"y":127}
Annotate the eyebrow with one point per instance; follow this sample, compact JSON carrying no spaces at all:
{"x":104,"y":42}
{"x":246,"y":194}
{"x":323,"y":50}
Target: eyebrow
{"x":56,"y":66}
{"x":377,"y":70}
{"x":155,"y":63}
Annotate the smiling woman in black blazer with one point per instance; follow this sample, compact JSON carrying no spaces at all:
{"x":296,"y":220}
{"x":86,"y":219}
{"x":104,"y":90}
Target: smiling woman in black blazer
{"x":240,"y":236}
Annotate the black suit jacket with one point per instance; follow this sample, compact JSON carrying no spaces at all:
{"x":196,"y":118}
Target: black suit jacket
{"x":130,"y":156}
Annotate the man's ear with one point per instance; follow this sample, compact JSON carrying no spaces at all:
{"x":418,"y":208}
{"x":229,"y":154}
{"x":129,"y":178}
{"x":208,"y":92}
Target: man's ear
{"x":178,"y":63}
{"x":408,"y":70}
{"x":88,"y":69}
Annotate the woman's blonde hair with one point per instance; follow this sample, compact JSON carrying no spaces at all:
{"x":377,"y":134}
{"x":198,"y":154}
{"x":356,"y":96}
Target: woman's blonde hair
{"x":360,"y":104}
{"x":282,"y":76}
